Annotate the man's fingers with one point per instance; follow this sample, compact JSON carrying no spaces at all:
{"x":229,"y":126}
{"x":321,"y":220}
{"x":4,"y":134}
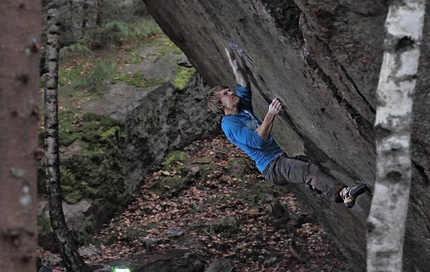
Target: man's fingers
{"x":276,"y":103}
{"x":276,"y":106}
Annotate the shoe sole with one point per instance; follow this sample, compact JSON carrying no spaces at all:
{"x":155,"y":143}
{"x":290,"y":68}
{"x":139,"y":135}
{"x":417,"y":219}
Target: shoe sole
{"x":354,"y":193}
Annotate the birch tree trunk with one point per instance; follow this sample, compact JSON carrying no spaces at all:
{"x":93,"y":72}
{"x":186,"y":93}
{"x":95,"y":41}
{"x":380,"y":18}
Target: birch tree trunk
{"x":69,"y":252}
{"x":387,"y":218}
{"x":19,"y":85}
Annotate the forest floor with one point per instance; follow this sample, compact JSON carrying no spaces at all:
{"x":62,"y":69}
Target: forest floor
{"x":257,"y":226}
{"x":229,"y":212}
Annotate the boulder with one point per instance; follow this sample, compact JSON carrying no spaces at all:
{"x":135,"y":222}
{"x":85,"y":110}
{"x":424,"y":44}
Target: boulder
{"x":322,"y":59}
{"x":167,"y":119}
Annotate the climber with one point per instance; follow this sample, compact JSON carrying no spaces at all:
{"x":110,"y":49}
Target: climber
{"x":247,"y":132}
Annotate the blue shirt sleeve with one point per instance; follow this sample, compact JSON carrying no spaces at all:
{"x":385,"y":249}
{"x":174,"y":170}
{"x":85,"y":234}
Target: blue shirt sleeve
{"x":242,"y":135}
{"x":245,"y":95}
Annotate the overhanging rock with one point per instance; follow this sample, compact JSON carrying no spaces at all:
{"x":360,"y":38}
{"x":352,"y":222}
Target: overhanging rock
{"x":322,"y":59}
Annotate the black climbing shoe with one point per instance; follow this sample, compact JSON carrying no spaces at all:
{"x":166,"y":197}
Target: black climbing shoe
{"x":349,"y":194}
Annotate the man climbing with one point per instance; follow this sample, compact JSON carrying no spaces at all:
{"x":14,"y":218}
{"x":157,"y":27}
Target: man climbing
{"x":244,"y":130}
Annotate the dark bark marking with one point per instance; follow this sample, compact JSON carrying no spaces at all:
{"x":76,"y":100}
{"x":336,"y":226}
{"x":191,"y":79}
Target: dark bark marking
{"x":405,"y":44}
{"x":23,"y":78}
{"x":394,"y":175}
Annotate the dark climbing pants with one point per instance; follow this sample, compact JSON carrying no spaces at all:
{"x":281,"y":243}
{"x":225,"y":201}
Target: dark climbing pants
{"x":283,"y":170}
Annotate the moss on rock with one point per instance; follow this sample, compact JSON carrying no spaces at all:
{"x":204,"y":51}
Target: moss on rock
{"x":182,"y":76}
{"x":175,"y":156}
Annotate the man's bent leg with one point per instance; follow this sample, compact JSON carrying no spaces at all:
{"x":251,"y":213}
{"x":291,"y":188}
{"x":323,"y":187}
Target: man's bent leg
{"x":327,"y":185}
{"x":283,"y":170}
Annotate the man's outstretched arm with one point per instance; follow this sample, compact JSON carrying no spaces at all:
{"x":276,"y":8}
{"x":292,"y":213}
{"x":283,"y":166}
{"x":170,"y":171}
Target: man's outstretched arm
{"x":266,"y":127}
{"x":241,"y":77}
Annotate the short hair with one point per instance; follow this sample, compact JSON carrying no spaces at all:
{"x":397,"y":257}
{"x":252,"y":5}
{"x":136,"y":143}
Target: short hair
{"x":214,"y":102}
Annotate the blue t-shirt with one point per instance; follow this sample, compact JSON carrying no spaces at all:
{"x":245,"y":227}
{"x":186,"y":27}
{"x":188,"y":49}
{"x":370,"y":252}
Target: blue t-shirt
{"x":240,"y":129}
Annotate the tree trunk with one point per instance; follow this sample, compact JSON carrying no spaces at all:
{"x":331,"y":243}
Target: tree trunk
{"x":19,"y":58}
{"x":69,"y":252}
{"x":387,"y":218}
{"x":99,"y":17}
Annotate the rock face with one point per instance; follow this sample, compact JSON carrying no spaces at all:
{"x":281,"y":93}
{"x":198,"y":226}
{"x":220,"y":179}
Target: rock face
{"x":322,"y":59}
{"x":178,"y":260}
{"x":167,"y":119}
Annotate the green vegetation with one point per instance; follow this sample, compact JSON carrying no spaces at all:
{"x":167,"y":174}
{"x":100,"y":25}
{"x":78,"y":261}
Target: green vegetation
{"x":87,"y":127}
{"x":97,"y":168}
{"x":75,"y":49}
{"x":66,"y":75}
{"x":44,"y":222}
{"x":92,"y":145}
{"x":133,"y":57}
{"x":103,"y":71}
{"x":115,"y":32}
{"x":173,"y":158}
{"x":182,"y":76}
{"x":164,"y":46}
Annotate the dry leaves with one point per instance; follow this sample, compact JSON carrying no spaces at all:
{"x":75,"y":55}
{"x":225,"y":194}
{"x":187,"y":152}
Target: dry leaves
{"x":220,"y":216}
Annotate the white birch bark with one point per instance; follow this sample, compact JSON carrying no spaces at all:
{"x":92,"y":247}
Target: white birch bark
{"x":69,"y":252}
{"x":387,"y":218}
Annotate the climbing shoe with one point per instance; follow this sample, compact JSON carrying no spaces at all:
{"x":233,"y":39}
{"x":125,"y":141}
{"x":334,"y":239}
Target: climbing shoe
{"x":349,"y":194}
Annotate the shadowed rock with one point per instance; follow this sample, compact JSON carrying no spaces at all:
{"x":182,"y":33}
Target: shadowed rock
{"x":322,"y":59}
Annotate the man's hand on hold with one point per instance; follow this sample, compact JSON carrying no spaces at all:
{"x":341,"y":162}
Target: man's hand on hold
{"x":231,"y":58}
{"x":275,"y":107}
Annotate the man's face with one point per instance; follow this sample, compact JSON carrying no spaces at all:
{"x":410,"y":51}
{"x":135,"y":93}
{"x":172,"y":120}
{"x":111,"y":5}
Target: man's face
{"x":228,"y":98}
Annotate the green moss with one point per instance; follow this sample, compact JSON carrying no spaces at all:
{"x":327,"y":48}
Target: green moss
{"x":164,"y":46}
{"x":155,"y":82}
{"x":226,"y":225}
{"x":88,"y":127}
{"x":133,"y":57}
{"x":66,"y":75}
{"x":182,"y":76}
{"x":171,"y":186}
{"x":66,"y":132}
{"x":175,"y":156}
{"x":96,"y":171}
{"x":73,"y":197}
{"x":253,"y":192}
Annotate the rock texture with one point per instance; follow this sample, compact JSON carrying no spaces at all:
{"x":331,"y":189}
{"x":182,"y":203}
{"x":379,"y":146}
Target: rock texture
{"x":322,"y":59}
{"x":167,"y":119}
{"x":178,"y":260}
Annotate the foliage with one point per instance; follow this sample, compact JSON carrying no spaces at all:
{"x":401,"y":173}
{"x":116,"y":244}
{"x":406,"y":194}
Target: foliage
{"x":139,"y":8}
{"x":75,"y":49}
{"x":103,"y":71}
{"x":44,"y":222}
{"x":116,"y":32}
{"x":146,"y":28}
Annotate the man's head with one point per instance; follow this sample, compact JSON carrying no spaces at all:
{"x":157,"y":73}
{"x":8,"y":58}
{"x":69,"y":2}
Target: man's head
{"x":223,"y":100}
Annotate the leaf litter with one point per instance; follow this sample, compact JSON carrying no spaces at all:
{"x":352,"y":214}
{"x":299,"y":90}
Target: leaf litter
{"x":221,"y":214}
